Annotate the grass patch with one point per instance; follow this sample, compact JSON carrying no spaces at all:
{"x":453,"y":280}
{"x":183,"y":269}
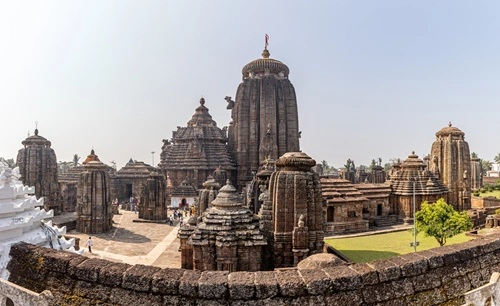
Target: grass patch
{"x":494,"y":193}
{"x":382,"y":246}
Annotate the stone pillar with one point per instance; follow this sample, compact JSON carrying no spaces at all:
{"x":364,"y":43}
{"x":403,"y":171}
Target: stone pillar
{"x":207,"y":195}
{"x":295,"y":190}
{"x":94,"y":206}
{"x":153,"y":205}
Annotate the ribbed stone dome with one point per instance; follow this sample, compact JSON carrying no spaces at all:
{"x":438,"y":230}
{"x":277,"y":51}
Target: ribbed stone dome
{"x":260,"y":65}
{"x":450,"y":130}
{"x":36,"y":140}
{"x":296,"y":160}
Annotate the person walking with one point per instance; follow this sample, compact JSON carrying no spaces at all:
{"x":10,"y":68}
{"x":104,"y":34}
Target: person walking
{"x":90,"y":243}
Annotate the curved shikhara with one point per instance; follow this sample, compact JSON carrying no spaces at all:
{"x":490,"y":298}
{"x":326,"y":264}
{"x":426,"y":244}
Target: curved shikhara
{"x":23,"y":219}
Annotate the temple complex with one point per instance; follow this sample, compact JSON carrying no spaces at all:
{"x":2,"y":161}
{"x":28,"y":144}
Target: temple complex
{"x":197,"y":150}
{"x":228,"y":238}
{"x":413,"y":180}
{"x":94,"y":197}
{"x":295,"y":192}
{"x":130,"y":180}
{"x":37,"y":163}
{"x":264,"y":116}
{"x":450,"y":159}
{"x":153,"y":204}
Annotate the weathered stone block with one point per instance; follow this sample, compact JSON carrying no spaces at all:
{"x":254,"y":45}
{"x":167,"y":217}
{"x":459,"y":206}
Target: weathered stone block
{"x":112,"y":274}
{"x":317,"y":281}
{"x":188,"y":285}
{"x":476,"y":279}
{"x":213,"y":285}
{"x":56,"y":280}
{"x":92,"y":291}
{"x":433,"y":259}
{"x":344,"y":278}
{"x":492,"y":245}
{"x":388,"y":291}
{"x":139,"y":277}
{"x":166,"y":281}
{"x":345,"y":298}
{"x":386,"y":270}
{"x":368,"y":275}
{"x":426,"y":281}
{"x":266,"y":285}
{"x":413,"y":264}
{"x":456,"y":287}
{"x":58,"y":261}
{"x":121,"y":296}
{"x":241,"y":285}
{"x":87,"y":270}
{"x":290,"y":283}
{"x":429,"y":297}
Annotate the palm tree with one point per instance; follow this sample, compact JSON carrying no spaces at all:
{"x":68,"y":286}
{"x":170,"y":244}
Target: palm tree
{"x":497,"y":159}
{"x":76,"y":158}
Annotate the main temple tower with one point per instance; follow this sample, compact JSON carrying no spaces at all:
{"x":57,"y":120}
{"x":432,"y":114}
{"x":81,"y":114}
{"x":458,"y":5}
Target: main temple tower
{"x":264,"y":116}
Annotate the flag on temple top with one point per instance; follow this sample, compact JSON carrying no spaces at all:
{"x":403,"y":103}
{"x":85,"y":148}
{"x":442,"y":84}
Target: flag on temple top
{"x":267,"y":40}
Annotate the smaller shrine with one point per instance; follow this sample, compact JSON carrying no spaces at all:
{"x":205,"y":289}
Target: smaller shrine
{"x":183,"y":195}
{"x":94,"y":207}
{"x":411,"y":181}
{"x":153,"y":205}
{"x":37,"y":163}
{"x":227,"y":238}
{"x":130,"y":180}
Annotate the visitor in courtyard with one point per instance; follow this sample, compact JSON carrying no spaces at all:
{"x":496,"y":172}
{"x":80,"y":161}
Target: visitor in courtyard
{"x":90,"y":244}
{"x":131,"y":202}
{"x":135,"y":205}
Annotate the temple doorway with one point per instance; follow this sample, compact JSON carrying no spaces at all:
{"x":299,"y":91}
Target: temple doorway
{"x":379,"y":209}
{"x":329,"y":214}
{"x":128,"y":190}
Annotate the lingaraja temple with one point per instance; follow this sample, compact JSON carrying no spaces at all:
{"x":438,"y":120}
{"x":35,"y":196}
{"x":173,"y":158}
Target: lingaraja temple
{"x":264,"y":115}
{"x":196,"y":150}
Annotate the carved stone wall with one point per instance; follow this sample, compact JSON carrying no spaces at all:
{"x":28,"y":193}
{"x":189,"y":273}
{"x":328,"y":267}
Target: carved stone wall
{"x":153,"y":205}
{"x":433,"y":277}
{"x":37,"y":163}
{"x":295,"y":191}
{"x":94,"y":207}
{"x":264,"y":116}
{"x":450,"y":159}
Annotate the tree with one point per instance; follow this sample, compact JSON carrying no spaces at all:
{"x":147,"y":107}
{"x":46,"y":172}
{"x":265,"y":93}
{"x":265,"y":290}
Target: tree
{"x":485,"y":165}
{"x":441,"y":221}
{"x":9,"y":162}
{"x":497,"y":159}
{"x":473,"y":155}
{"x":76,"y":158}
{"x":64,"y":166}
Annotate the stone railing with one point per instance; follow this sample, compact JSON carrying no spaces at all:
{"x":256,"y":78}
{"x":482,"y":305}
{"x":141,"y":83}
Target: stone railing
{"x":488,"y":294}
{"x":438,"y":276}
{"x":21,"y":296}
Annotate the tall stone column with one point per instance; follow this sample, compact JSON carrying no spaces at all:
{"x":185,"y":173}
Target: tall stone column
{"x":296,"y":191}
{"x":153,"y":204}
{"x":94,"y":207}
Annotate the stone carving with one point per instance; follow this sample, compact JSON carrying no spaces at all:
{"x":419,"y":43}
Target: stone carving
{"x":37,"y":163}
{"x":453,"y":159}
{"x":197,"y":150}
{"x":263,"y":100}
{"x":94,"y":207}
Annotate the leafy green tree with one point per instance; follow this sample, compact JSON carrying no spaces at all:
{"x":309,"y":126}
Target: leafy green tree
{"x":486,"y":165}
{"x":441,"y":221}
{"x":473,"y":155}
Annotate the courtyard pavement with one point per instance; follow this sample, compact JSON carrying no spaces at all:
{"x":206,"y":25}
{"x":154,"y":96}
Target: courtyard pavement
{"x":154,"y":244}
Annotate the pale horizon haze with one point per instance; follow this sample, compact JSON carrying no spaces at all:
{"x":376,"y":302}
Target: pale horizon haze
{"x":373,"y":78}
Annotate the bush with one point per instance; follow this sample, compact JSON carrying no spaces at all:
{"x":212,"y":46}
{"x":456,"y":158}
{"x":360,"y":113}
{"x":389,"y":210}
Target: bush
{"x":483,"y":190}
{"x":497,"y":211}
{"x":475,"y":193}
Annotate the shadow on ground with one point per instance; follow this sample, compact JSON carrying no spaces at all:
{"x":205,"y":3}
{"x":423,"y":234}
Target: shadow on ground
{"x":123,"y":235}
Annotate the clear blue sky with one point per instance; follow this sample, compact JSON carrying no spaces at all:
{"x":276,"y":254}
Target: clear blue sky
{"x":373,"y":78}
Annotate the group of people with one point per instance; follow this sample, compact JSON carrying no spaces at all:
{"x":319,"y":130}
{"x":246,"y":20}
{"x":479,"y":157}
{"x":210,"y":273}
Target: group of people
{"x":133,"y":203}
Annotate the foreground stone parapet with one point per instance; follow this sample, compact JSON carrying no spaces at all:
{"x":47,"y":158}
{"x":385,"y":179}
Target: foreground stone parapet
{"x":432,"y":277}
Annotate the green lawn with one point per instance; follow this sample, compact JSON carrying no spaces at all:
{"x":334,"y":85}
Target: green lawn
{"x":381,"y":246}
{"x":494,"y":193}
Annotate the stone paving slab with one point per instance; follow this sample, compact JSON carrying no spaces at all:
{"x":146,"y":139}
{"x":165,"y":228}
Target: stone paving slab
{"x":132,"y":242}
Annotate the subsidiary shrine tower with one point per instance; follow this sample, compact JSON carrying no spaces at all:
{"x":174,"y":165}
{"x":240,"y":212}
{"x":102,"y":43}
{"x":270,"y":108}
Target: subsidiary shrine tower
{"x":265,"y":122}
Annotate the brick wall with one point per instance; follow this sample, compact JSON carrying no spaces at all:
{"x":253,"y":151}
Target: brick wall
{"x":430,"y":277}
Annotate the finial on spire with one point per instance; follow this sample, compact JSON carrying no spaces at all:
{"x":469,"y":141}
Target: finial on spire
{"x":412,"y":152}
{"x":202,"y":101}
{"x":36,"y":127}
{"x":449,"y":123}
{"x":266,"y":40}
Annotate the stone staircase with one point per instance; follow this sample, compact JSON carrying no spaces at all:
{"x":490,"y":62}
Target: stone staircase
{"x":386,"y":220}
